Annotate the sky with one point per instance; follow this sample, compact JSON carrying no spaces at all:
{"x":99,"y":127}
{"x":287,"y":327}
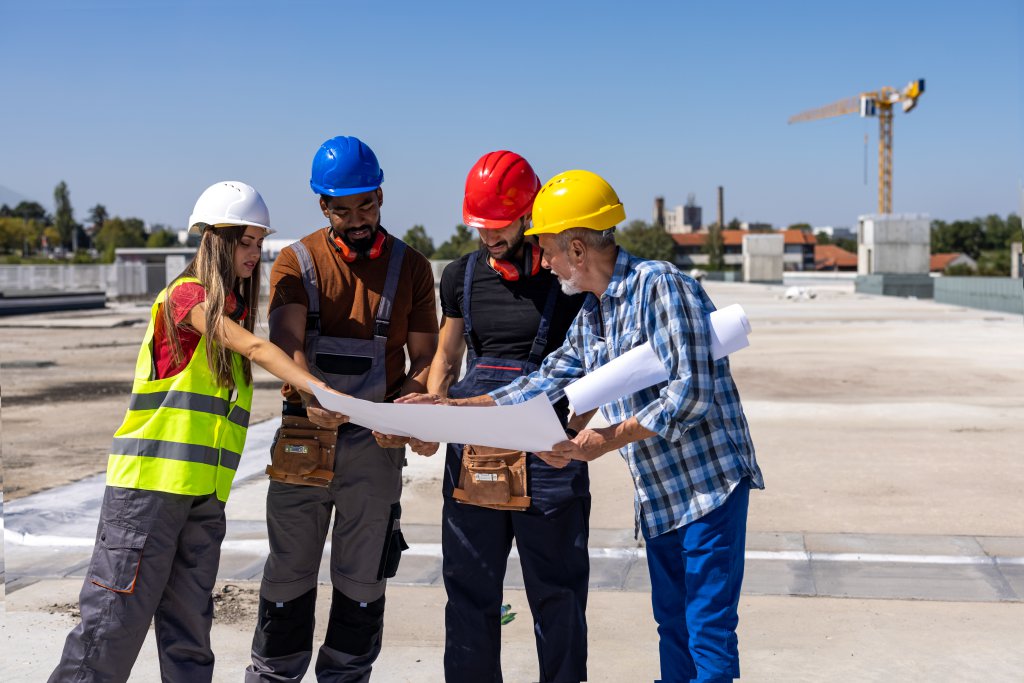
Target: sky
{"x":140,"y":106}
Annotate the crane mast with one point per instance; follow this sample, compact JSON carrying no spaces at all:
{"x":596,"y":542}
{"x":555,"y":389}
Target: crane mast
{"x":878,"y":103}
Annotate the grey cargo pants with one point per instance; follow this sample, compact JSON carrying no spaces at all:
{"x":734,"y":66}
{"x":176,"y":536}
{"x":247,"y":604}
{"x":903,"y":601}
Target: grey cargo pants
{"x":364,"y":499}
{"x":155,"y":558}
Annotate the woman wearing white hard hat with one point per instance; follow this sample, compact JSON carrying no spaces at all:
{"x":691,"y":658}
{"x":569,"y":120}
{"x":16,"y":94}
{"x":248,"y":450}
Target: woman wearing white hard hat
{"x":172,"y":461}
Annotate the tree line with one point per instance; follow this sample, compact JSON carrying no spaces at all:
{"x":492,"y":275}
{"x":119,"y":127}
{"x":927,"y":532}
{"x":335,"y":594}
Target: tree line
{"x":28,"y":232}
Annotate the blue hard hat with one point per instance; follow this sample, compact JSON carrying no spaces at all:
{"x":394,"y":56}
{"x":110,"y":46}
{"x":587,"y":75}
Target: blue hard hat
{"x":344,"y":166}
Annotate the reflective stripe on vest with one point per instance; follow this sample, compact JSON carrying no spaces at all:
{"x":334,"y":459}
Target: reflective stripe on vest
{"x":182,"y":434}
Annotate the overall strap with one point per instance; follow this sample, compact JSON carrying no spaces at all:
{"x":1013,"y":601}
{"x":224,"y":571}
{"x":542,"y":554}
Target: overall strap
{"x":540,"y":342}
{"x":387,"y":298}
{"x":312,"y":290}
{"x":467,"y":289}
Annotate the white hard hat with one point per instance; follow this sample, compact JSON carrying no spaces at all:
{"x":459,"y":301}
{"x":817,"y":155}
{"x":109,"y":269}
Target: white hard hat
{"x":229,"y":202}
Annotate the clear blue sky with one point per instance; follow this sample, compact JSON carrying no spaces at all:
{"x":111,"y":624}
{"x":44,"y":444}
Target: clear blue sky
{"x":139,"y":106}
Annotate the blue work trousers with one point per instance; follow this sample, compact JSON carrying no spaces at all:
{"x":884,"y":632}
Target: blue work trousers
{"x":696,"y":573}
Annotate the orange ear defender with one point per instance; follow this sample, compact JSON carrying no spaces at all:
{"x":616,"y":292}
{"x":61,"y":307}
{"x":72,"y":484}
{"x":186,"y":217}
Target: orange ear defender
{"x":511,"y":272}
{"x":348,"y":255}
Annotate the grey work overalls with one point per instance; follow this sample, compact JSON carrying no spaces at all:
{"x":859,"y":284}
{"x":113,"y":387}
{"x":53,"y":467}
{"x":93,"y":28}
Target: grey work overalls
{"x":551,"y":537}
{"x":366,"y":540}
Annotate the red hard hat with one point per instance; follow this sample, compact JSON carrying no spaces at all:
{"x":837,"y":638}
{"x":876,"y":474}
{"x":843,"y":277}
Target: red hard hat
{"x":499,"y":189}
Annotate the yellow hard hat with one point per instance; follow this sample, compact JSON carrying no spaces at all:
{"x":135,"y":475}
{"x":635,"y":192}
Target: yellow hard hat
{"x":576,"y":199}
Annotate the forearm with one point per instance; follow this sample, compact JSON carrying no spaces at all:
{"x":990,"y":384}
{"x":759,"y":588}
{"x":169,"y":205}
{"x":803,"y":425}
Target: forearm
{"x":482,"y":400}
{"x":443,"y":373}
{"x":275,"y":361}
{"x":578,"y":423}
{"x":416,"y":381}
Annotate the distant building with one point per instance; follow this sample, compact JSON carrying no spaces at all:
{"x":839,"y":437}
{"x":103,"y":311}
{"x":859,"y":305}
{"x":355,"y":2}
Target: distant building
{"x":831,"y":257}
{"x":939,"y":262}
{"x":837,"y":233}
{"x":681,"y":220}
{"x":798,"y":249}
{"x":756,"y":227}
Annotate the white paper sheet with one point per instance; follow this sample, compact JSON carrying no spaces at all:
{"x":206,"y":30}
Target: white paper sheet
{"x":531,"y":426}
{"x":634,"y":370}
{"x":729,"y":330}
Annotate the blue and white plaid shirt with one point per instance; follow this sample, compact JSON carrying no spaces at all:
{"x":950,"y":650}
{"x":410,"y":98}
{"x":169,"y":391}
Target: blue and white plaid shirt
{"x":702,"y":447}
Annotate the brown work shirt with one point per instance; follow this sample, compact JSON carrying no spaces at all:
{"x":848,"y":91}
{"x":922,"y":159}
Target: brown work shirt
{"x":350,"y":294}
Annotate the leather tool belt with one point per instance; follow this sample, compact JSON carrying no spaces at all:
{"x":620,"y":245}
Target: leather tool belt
{"x":302,"y":453}
{"x":493,"y":478}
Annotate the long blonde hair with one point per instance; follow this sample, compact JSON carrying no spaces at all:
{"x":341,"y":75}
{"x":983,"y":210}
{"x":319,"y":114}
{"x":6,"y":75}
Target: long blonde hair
{"x":214,"y":267}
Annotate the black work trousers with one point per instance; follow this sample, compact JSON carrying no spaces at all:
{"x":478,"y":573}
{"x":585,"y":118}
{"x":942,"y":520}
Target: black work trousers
{"x":552,"y":546}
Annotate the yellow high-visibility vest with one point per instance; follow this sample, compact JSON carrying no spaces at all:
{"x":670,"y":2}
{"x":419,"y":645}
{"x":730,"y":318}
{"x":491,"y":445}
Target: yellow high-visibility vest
{"x":183,"y":434}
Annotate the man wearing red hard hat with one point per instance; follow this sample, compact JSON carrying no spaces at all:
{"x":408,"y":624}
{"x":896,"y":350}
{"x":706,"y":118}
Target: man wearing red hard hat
{"x":509,"y":313}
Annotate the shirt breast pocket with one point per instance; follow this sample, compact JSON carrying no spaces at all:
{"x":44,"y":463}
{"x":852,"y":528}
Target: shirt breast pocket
{"x":628,"y":340}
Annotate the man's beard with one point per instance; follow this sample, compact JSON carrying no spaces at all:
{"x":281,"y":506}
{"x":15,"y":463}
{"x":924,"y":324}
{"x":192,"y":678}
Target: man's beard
{"x":361,"y":245}
{"x":570,"y":286}
{"x":514,"y":247}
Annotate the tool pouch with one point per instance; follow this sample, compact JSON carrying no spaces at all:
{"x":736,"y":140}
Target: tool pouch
{"x":493,"y":478}
{"x":302,"y":453}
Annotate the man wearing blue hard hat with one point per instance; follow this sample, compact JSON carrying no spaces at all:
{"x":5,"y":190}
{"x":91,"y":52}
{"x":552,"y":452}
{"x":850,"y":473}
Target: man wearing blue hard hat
{"x":348,"y":301}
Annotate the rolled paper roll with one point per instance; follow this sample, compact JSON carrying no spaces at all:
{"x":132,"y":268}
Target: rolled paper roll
{"x":729,"y":330}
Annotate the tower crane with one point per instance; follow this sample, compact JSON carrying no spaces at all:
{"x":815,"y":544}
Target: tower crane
{"x":878,"y":103}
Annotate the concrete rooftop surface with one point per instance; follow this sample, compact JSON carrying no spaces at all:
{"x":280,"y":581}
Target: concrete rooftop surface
{"x":888,"y":544}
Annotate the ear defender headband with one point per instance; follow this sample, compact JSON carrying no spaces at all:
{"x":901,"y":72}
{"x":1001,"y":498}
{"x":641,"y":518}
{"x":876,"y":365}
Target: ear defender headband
{"x":511,"y":272}
{"x":348,"y":255}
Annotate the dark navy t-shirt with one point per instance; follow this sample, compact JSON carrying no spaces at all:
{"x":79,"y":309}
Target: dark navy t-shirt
{"x":506,"y":314}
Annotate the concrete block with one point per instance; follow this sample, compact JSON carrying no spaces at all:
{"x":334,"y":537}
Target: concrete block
{"x":638,"y":579}
{"x":763,"y":257}
{"x":893,"y":544}
{"x":608,"y":573}
{"x":1014,"y":575}
{"x":1002,"y":546}
{"x":778,"y":577}
{"x":1016,"y":267}
{"x":893,"y":243}
{"x":951,"y":582}
{"x":418,"y":570}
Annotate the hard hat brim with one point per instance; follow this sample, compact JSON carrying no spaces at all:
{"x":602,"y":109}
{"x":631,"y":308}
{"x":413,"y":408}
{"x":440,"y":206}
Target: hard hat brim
{"x":197,"y":228}
{"x":342,"y":191}
{"x":472,"y":221}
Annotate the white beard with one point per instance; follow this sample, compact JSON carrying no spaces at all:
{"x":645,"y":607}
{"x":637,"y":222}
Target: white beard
{"x":570,"y":287}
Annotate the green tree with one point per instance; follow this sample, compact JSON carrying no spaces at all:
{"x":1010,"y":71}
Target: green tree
{"x":822,"y":238}
{"x":120,"y":232}
{"x":14,"y":233}
{"x":646,"y":241}
{"x":805,"y":227}
{"x":734,"y":224}
{"x":98,"y":216}
{"x":847,"y":244}
{"x":63,"y":216}
{"x":31,"y":211}
{"x":959,"y":236}
{"x":159,"y":238}
{"x":417,"y":238}
{"x":462,"y":242}
{"x":714,"y":247}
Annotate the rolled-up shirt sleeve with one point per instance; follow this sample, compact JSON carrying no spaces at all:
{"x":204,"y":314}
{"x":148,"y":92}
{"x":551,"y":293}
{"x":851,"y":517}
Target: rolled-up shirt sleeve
{"x":561,"y":367}
{"x":678,"y":329}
